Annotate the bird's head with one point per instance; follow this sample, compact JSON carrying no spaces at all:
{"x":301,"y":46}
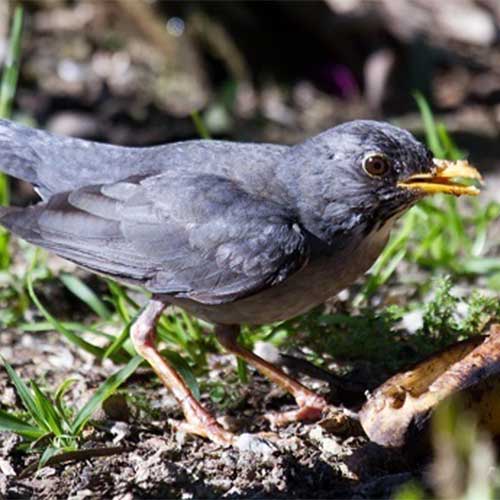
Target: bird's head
{"x":365,"y":173}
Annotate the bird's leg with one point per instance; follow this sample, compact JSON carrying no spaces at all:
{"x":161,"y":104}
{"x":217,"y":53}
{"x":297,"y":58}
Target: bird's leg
{"x":198,"y":420}
{"x":311,"y":405}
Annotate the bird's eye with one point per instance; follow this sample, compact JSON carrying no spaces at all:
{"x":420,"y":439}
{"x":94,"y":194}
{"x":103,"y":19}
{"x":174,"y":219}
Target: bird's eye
{"x":376,"y":164}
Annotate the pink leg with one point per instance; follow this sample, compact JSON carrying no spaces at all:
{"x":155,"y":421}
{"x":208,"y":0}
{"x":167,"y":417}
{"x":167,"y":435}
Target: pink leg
{"x":311,"y":405}
{"x":198,"y":420}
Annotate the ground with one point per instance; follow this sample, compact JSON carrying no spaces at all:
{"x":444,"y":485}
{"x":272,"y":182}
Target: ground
{"x":153,"y":461}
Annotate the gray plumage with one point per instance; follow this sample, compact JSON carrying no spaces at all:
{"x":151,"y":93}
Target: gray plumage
{"x":235,"y":233}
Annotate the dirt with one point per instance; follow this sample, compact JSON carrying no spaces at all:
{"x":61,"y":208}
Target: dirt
{"x":153,"y":461}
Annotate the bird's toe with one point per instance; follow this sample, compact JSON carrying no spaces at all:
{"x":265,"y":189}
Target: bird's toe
{"x":307,"y":413}
{"x":213,"y":431}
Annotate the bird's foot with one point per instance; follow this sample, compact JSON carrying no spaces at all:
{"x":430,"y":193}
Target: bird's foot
{"x":210,"y":430}
{"x":253,"y":443}
{"x":312,"y":407}
{"x":304,"y":414}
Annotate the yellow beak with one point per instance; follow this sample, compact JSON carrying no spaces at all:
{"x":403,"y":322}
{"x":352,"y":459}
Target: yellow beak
{"x":445,"y":179}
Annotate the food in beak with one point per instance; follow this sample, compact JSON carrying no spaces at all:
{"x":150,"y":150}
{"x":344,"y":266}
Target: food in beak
{"x":446,"y":178}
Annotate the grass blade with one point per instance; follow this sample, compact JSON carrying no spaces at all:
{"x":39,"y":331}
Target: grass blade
{"x":452,"y":151}
{"x":58,"y":399}
{"x":46,"y":326}
{"x":7,"y":92}
{"x":47,"y":454}
{"x":119,"y":340}
{"x":191,"y":327}
{"x":11,"y":423}
{"x":431,"y":131}
{"x":200,"y":125}
{"x":120,"y":300}
{"x":78,"y":288}
{"x":242,"y":370}
{"x":180,"y":364}
{"x":26,"y":397}
{"x":47,"y":411}
{"x":12,"y":63}
{"x":103,"y":392}
{"x":481,"y":265}
{"x":68,"y":334}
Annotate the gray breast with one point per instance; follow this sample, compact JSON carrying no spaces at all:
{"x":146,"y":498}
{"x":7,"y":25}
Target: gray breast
{"x":320,"y":279}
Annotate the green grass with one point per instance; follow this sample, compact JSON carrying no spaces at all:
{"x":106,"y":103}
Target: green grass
{"x":47,"y":425}
{"x":376,"y":335}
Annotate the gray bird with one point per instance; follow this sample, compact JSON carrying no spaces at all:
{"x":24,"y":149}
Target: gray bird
{"x":233,"y":233}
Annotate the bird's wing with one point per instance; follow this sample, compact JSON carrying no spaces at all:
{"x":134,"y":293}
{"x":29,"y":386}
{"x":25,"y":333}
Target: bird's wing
{"x":198,"y":236}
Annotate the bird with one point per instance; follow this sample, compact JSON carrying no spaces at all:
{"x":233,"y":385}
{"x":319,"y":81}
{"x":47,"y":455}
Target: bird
{"x":233,"y":233}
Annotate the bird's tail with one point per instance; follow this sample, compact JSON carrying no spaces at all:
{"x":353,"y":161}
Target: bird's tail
{"x":8,"y":216}
{"x":55,"y":164}
{"x":17,"y":158}
{"x":3,"y":211}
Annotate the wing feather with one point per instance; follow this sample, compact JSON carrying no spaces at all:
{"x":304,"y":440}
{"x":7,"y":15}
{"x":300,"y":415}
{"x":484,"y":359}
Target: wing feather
{"x":198,"y":236}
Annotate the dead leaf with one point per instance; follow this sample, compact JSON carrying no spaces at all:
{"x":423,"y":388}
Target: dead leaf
{"x":404,"y":403}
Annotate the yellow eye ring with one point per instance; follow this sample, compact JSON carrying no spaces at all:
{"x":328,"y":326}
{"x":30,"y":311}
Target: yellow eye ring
{"x":376,"y":164}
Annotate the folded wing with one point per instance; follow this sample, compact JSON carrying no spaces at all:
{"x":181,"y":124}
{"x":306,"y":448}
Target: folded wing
{"x":199,"y":236}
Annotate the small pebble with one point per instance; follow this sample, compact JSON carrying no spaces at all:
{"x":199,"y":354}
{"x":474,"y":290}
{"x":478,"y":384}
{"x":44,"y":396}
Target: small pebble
{"x":254,"y":444}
